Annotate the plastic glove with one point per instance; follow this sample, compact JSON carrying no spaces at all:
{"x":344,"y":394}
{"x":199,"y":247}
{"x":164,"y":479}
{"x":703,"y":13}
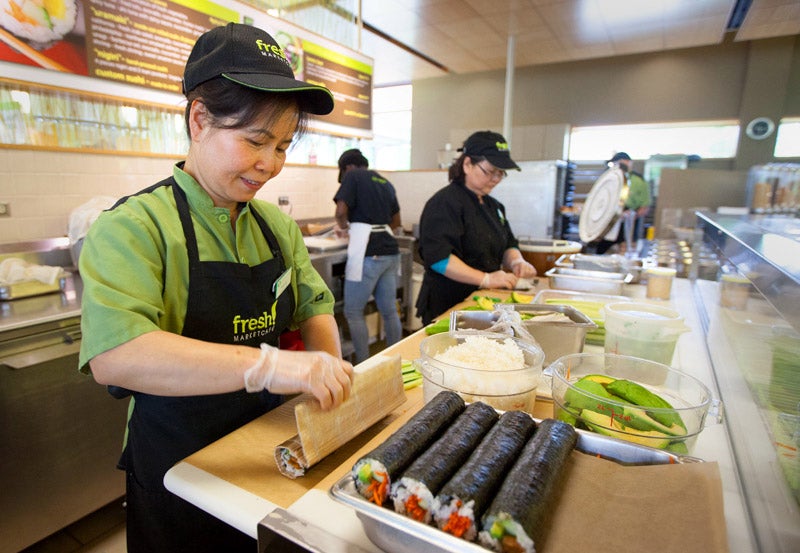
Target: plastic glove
{"x":522,"y":269}
{"x":318,"y":373}
{"x":498,"y":279}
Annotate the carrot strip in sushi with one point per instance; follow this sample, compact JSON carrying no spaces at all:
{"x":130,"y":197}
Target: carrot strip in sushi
{"x":462,"y":500}
{"x":515,"y":521}
{"x":373,"y":473}
{"x":412,"y":495}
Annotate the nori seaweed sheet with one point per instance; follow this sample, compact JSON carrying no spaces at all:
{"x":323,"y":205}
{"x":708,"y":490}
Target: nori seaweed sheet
{"x":445,"y":456}
{"x":417,"y":434}
{"x":480,"y":477}
{"x":530,"y":489}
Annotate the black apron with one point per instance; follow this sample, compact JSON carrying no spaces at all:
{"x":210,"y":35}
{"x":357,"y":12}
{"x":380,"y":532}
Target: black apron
{"x":164,"y":430}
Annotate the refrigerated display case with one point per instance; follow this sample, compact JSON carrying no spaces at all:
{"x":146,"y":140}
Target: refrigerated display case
{"x":774,"y":188}
{"x":751,"y":322}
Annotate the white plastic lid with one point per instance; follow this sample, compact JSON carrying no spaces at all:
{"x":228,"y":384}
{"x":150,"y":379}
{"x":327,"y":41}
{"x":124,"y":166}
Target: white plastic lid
{"x":603,"y":204}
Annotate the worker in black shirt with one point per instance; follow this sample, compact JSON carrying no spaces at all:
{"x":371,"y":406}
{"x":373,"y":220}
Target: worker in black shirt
{"x":465,"y":240}
{"x":366,"y":205}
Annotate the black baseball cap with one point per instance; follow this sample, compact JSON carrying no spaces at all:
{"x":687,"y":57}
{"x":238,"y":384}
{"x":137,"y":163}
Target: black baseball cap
{"x":492,"y":146}
{"x":250,"y":57}
{"x":351,"y":157}
{"x":620,"y":156}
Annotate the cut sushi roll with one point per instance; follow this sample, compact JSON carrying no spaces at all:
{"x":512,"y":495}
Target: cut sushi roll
{"x":461,"y":502}
{"x":40,"y":21}
{"x":373,"y":473}
{"x":516,"y":520}
{"x":413,"y":494}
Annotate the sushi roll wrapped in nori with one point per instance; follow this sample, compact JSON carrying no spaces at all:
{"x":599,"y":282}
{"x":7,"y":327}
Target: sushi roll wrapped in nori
{"x":516,"y":519}
{"x":413,"y":493}
{"x":461,"y":502}
{"x":373,"y":473}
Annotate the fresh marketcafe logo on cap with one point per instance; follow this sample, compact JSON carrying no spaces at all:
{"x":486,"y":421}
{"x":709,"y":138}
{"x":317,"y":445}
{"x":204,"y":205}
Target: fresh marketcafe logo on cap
{"x":501,"y":146}
{"x":272,"y":50}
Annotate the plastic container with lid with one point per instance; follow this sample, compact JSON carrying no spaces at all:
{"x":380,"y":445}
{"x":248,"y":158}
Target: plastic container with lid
{"x":643,"y":330}
{"x":659,"y":282}
{"x":734,"y":291}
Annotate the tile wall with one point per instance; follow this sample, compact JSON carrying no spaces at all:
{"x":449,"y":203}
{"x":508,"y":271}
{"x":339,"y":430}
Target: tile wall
{"x":42,"y":188}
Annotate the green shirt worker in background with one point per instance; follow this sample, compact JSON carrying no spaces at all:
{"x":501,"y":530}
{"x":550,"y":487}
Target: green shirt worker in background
{"x":189,"y":283}
{"x":636,"y":196}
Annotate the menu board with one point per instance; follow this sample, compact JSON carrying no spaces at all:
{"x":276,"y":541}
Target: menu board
{"x":145,"y":43}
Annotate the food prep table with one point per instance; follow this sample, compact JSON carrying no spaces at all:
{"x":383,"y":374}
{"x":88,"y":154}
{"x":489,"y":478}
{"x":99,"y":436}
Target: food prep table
{"x":236,"y":479}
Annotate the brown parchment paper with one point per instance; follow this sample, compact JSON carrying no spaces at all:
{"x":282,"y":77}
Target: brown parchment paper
{"x":607,"y":507}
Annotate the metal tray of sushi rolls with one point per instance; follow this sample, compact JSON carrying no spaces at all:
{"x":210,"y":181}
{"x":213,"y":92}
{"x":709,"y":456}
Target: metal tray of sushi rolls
{"x":396,"y":533}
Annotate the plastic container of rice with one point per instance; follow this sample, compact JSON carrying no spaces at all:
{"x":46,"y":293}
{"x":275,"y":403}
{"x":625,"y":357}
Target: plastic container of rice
{"x":501,"y":371}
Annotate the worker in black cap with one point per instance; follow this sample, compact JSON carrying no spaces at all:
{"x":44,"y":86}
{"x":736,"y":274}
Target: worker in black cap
{"x":465,"y":240}
{"x":189,"y":284}
{"x":367,"y":207}
{"x":637,"y":201}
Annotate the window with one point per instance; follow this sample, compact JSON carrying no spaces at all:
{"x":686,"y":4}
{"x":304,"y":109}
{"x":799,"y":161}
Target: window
{"x":787,"y":142}
{"x":391,"y":126}
{"x":390,"y":146}
{"x":708,"y":139}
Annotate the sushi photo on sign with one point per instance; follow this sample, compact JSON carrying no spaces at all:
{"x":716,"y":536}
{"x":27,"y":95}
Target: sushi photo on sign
{"x":44,"y":33}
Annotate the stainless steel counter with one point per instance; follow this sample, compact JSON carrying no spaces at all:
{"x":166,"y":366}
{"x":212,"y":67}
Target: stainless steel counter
{"x":26,"y":312}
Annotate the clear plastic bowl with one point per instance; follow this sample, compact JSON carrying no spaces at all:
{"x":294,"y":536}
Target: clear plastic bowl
{"x":501,"y":387}
{"x":689,"y":397}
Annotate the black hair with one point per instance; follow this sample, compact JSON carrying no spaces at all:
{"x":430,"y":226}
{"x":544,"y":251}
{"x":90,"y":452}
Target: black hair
{"x":456,"y":171}
{"x":243,"y":105}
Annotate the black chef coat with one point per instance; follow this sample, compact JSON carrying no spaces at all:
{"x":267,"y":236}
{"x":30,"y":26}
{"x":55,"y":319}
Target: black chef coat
{"x":454,"y":221}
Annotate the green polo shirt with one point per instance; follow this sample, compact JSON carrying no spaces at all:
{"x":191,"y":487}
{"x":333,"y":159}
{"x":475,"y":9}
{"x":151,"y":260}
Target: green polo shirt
{"x":638,"y":193}
{"x":135,"y":268}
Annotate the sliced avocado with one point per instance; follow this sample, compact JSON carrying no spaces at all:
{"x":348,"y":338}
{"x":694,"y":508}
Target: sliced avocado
{"x":639,"y":419}
{"x":641,"y":396}
{"x":605,"y":425}
{"x":516,"y":297}
{"x":599,"y":378}
{"x":365,"y":473}
{"x":566,"y":416}
{"x":485,"y":303}
{"x":577,"y":401}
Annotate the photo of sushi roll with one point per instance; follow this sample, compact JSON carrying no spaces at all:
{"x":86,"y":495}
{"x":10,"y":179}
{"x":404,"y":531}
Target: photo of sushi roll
{"x":413,"y":493}
{"x":373,"y":473}
{"x":462,"y":500}
{"x":38,"y":21}
{"x":516,"y":520}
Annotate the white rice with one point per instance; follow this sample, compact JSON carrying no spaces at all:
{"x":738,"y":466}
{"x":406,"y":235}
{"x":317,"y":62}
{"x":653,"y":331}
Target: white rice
{"x":407,"y":487}
{"x":486,"y":539}
{"x":486,"y":369}
{"x":443,"y":511}
{"x":38,"y":25}
{"x":485,"y":354}
{"x":376,"y":467}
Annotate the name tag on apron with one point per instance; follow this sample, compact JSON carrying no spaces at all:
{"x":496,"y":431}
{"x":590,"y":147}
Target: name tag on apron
{"x":282,"y":282}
